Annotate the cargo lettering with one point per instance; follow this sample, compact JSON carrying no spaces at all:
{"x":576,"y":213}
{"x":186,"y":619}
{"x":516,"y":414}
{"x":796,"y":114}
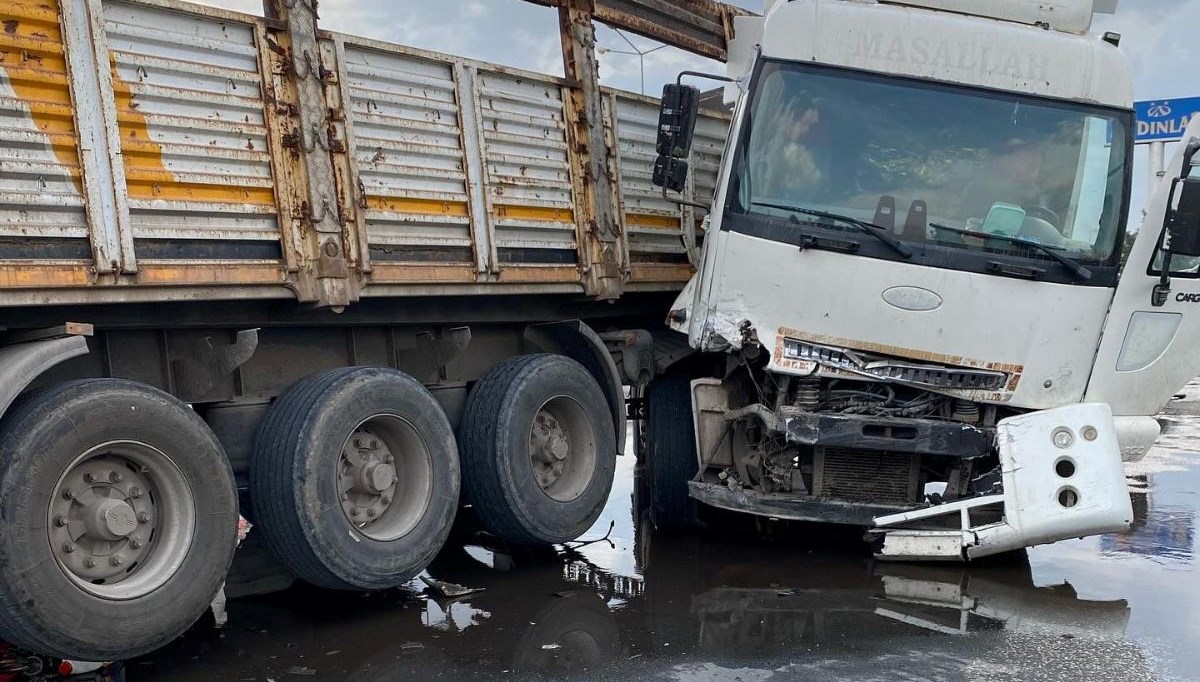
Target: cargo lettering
{"x":961,"y":56}
{"x":1187,"y":298}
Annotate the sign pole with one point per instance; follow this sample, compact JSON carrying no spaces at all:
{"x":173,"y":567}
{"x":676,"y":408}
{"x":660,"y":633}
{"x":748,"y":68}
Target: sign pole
{"x":1157,"y":167}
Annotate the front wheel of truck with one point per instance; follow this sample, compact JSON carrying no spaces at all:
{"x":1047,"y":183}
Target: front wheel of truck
{"x":670,"y":457}
{"x":119,"y":520}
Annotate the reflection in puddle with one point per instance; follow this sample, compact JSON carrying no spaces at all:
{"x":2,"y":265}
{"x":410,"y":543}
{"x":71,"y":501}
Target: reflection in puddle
{"x":453,"y":617}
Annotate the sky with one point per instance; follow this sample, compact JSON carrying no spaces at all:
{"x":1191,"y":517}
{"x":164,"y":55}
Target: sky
{"x":1157,"y":35}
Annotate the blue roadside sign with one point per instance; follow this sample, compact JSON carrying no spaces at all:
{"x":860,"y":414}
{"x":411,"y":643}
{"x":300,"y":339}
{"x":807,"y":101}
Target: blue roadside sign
{"x":1164,"y":120}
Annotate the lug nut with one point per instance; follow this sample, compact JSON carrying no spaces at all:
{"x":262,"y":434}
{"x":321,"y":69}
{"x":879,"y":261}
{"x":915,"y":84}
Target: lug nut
{"x":143,"y":517}
{"x":89,"y":477}
{"x":387,"y":501}
{"x":68,"y":494}
{"x":89,"y":562}
{"x":358,"y":443}
{"x":116,"y":561}
{"x":69,"y":548}
{"x":60,"y":521}
{"x":135,"y":493}
{"x":345,"y":497}
{"x":136,"y":543}
{"x":115,"y":477}
{"x":387,"y":459}
{"x":353,"y":512}
{"x":371,"y":513}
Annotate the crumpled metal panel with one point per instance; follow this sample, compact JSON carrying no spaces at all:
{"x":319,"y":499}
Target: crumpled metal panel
{"x":526,"y":167}
{"x":193,"y":136}
{"x":408,"y":146}
{"x":41,"y":200}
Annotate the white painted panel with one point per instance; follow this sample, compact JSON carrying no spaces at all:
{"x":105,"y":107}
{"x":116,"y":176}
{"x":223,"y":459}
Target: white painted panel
{"x":525,"y":153}
{"x":408,"y":147}
{"x":191,"y":84}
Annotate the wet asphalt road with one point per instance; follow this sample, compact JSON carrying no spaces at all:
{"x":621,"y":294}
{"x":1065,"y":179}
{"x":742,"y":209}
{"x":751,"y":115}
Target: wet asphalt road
{"x":745,"y":603}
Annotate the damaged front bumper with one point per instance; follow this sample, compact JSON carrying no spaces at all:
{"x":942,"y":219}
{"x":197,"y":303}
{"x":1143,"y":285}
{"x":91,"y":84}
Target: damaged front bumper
{"x":1062,"y":478}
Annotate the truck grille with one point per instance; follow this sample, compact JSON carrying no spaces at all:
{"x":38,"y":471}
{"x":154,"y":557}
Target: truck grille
{"x":934,"y":376}
{"x":871,"y":476}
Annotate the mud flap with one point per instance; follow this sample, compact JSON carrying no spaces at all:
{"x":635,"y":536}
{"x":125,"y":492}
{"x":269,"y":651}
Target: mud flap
{"x":1062,"y":477}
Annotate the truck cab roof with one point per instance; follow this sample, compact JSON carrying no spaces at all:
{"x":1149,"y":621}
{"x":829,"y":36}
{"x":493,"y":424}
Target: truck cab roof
{"x":1010,"y":49}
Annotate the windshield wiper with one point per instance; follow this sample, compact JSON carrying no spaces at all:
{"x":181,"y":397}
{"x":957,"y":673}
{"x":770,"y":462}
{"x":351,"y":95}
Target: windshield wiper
{"x":879,"y":232}
{"x":1076,"y":269}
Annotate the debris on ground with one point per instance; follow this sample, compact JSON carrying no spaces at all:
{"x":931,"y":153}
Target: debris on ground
{"x":301,"y":670}
{"x":449,"y":590}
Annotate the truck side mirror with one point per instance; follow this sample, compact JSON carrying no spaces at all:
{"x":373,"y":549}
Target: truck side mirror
{"x":677,"y":119}
{"x":676,"y":127}
{"x":1182,"y":224}
{"x":1183,"y":218}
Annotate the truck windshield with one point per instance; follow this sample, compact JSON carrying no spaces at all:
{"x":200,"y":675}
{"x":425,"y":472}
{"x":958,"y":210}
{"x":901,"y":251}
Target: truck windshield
{"x":911,"y":155}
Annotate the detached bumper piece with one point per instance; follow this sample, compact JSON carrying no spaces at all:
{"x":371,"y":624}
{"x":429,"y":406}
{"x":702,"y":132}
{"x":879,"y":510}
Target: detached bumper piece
{"x":1062,"y":477}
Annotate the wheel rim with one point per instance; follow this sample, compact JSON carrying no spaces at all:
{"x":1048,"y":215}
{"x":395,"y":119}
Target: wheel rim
{"x":121,"y":520}
{"x":385,"y":477}
{"x":562,"y":449}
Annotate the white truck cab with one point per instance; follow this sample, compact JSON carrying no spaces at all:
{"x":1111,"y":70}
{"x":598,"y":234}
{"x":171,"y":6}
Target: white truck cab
{"x":914,"y":250}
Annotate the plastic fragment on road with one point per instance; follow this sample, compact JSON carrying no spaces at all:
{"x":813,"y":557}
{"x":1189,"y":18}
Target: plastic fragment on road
{"x":220,"y":615}
{"x":449,"y":590}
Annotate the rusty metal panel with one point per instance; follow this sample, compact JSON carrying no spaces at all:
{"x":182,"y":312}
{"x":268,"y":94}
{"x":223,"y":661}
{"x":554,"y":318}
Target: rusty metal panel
{"x":42,"y":213}
{"x":527,"y":169}
{"x":700,"y":26}
{"x":190,"y":114}
{"x":404,"y":112}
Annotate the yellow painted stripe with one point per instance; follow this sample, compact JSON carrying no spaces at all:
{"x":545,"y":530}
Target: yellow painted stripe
{"x":536,"y":213}
{"x":33,"y":85}
{"x":539,"y":273}
{"x":413,"y":206}
{"x":647,"y":220}
{"x":660,"y":272}
{"x":42,"y":275}
{"x":418,"y":273}
{"x":155,"y":184}
{"x":35,"y":45}
{"x":152,"y":272}
{"x":29,"y":15}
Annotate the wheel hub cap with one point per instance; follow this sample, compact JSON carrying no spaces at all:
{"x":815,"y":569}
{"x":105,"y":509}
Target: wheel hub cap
{"x":111,"y":519}
{"x":103,"y":520}
{"x":549,"y":448}
{"x":367,"y":482}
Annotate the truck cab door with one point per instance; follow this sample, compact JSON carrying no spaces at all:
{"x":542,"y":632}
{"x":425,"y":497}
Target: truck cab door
{"x":1148,"y":351}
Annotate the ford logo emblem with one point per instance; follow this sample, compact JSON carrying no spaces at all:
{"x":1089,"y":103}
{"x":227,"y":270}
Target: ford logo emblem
{"x":912,"y":298}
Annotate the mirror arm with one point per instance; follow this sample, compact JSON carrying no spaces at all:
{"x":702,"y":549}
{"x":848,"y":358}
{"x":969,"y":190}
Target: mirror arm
{"x":1158,"y":297}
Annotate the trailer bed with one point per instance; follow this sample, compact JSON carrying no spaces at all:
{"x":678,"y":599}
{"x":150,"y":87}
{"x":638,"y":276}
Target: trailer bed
{"x":154,"y":150}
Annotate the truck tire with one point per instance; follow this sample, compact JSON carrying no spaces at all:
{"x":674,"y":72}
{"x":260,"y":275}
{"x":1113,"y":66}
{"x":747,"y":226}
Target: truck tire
{"x":670,"y":458}
{"x":354,"y":479}
{"x":119,"y":520}
{"x":538,"y":449}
